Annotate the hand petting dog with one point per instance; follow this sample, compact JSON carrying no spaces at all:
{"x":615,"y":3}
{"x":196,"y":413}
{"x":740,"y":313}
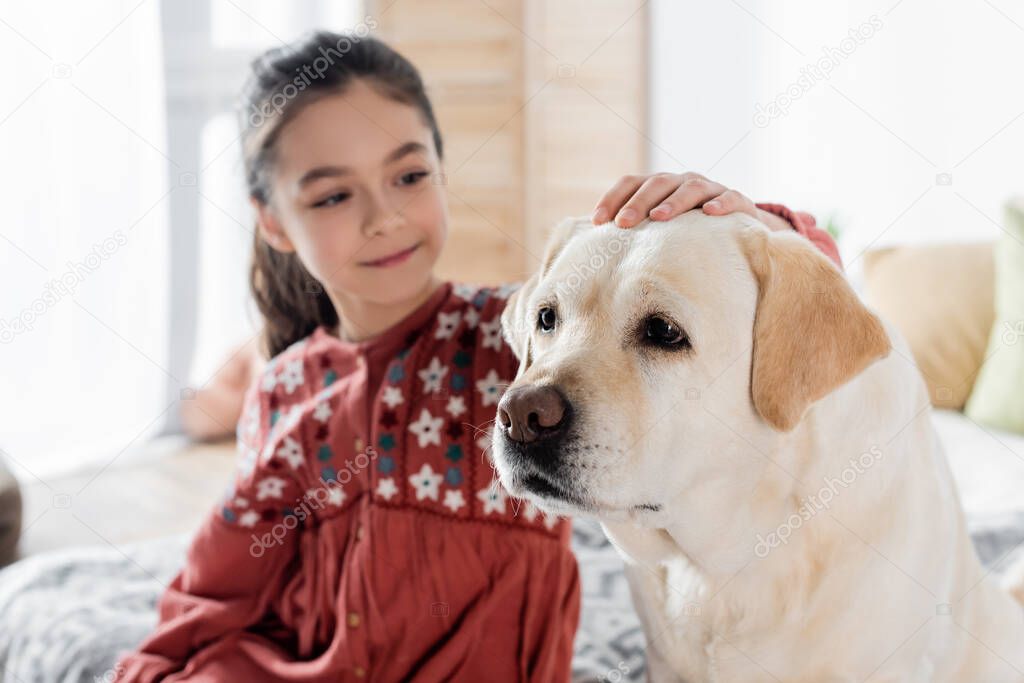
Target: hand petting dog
{"x":663,"y":196}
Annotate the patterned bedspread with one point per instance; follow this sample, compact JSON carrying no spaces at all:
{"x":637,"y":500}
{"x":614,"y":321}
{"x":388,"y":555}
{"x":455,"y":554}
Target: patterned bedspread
{"x":65,"y":616}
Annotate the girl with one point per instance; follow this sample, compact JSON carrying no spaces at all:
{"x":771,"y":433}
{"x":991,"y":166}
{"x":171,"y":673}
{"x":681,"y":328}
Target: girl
{"x":365,"y":536}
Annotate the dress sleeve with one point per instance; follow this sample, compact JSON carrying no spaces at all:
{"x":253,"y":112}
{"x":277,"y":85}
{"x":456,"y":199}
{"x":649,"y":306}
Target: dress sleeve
{"x":238,"y":558}
{"x":805,"y":224}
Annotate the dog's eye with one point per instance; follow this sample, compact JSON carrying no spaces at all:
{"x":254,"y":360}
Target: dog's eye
{"x":664,"y":333}
{"x":546,"y":319}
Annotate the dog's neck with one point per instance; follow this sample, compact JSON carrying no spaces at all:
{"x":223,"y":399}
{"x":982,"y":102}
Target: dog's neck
{"x":712,"y":593}
{"x":732,"y":585}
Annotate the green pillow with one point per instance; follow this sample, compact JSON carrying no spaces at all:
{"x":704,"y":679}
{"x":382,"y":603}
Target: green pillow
{"x":998,"y":395}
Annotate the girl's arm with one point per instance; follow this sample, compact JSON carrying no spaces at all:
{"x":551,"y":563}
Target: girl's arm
{"x":236,"y":562}
{"x":804,"y":224}
{"x":213,"y":412}
{"x":662,"y":196}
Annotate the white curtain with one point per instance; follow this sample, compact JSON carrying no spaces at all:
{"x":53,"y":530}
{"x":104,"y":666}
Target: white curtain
{"x":226,"y":316}
{"x":91,"y":362}
{"x":83,"y":309}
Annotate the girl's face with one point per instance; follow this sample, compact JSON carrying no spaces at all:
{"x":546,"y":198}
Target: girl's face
{"x":354,"y":193}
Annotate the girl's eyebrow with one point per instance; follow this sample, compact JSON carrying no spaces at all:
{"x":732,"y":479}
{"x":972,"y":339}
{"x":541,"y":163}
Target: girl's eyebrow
{"x":332,"y":171}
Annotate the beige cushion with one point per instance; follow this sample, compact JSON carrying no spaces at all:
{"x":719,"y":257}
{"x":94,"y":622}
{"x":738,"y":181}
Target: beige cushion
{"x":941,"y":298}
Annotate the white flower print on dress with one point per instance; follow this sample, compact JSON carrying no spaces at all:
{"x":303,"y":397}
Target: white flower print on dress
{"x":335,"y":496}
{"x":432,"y":375}
{"x":269,"y":382}
{"x":506,"y":290}
{"x":456,"y":406}
{"x":447,"y":323}
{"x":240,"y":502}
{"x":490,"y":387}
{"x":322,"y":412}
{"x":292,"y":376}
{"x":426,"y":482}
{"x":493,"y":497}
{"x":453,"y":500}
{"x":550,"y":520}
{"x":386,"y":488}
{"x":251,"y":422}
{"x":249,"y":518}
{"x":472,"y":317}
{"x":427,"y":429}
{"x":392,"y":397}
{"x":492,"y":334}
{"x":271,"y":487}
{"x":247,"y":460}
{"x":291,"y":451}
{"x":465,"y":291}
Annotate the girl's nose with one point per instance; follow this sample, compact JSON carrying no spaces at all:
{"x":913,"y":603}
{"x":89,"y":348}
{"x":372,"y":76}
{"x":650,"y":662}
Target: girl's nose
{"x":382,"y":216}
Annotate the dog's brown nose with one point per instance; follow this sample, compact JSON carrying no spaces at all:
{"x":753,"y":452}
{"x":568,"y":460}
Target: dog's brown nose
{"x":531,"y":412}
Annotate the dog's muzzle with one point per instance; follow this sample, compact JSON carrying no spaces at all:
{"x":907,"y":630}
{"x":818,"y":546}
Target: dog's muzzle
{"x":537,"y":428}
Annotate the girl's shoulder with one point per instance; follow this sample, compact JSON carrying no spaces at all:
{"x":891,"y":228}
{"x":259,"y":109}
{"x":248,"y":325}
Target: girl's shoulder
{"x":273,"y":402}
{"x":283,"y":383}
{"x":282,"y":369}
{"x":475,"y":309}
{"x":471,"y":321}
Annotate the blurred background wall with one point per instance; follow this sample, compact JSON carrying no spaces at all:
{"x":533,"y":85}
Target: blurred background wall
{"x":127,"y":233}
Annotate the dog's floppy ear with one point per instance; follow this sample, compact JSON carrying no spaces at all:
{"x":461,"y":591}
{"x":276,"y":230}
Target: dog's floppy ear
{"x":812,"y":334}
{"x":516,"y":325}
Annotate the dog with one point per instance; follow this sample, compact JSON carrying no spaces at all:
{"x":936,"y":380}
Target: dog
{"x":757,"y":445}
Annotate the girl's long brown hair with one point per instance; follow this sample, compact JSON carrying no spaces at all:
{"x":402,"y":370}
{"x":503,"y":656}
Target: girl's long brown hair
{"x":283,"y":80}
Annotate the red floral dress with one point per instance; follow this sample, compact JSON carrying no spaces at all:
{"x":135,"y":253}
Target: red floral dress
{"x":365,"y":536}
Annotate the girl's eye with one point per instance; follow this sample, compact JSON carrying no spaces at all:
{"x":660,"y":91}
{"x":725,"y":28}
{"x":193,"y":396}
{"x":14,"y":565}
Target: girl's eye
{"x":412,"y":178}
{"x":546,"y":319}
{"x":663,"y":333}
{"x":336,"y":198}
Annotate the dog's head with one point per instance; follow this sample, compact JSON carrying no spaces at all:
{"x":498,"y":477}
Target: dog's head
{"x":653,"y":360}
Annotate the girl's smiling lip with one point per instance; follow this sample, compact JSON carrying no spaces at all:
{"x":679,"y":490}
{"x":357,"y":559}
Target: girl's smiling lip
{"x":392,"y":259}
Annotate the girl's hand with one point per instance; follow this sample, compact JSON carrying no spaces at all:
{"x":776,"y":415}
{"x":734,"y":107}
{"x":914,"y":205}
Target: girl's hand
{"x":662,"y":196}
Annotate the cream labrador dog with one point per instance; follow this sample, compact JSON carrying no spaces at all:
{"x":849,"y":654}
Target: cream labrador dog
{"x":757,"y":445}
